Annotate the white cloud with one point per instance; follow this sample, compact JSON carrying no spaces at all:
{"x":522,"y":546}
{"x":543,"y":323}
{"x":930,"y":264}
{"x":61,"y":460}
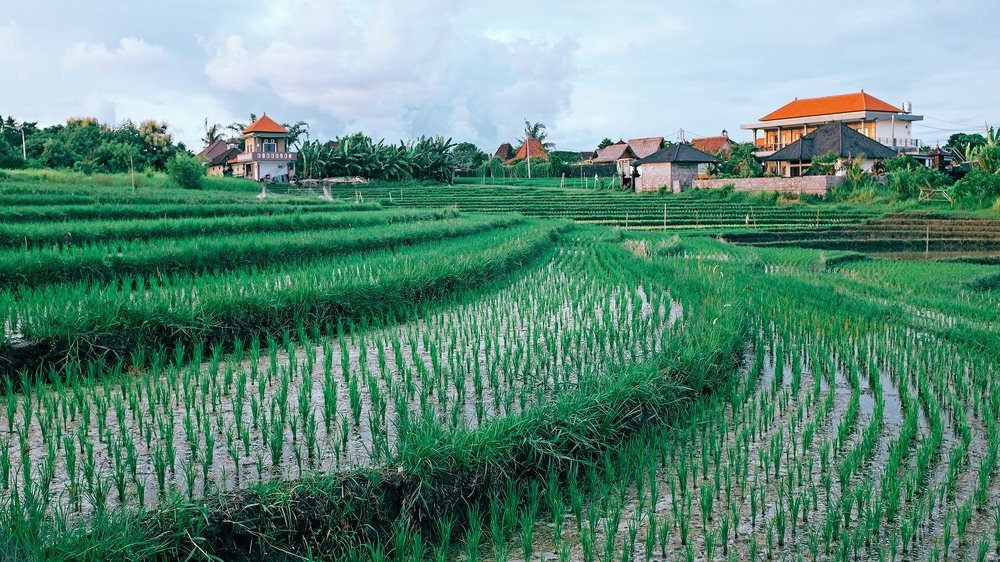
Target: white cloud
{"x":13,"y":54}
{"x":397,"y":69}
{"x":130,"y":54}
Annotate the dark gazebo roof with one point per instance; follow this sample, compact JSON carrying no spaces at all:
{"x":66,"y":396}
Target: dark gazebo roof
{"x":835,"y":137}
{"x":504,"y":152}
{"x":681,"y":153}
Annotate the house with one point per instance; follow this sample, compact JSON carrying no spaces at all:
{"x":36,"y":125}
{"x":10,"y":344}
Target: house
{"x":862,"y":112}
{"x":673,"y":167}
{"x":936,"y":159}
{"x":217,"y":156}
{"x":613,"y":153}
{"x":506,"y":153}
{"x":714,"y":145}
{"x":622,"y":156}
{"x":836,"y":137}
{"x":266,"y":155}
{"x":645,"y":146}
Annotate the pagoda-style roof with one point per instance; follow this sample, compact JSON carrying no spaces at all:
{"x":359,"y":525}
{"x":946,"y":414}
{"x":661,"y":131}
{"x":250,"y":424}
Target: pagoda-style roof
{"x":834,"y":137}
{"x":645,"y":146}
{"x":614,"y":152}
{"x":536,"y":147}
{"x":504,"y":152}
{"x":680,"y":153}
{"x":265,"y":125}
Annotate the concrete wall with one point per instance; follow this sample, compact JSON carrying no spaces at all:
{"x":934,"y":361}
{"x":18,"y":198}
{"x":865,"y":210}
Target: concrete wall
{"x":812,"y":185}
{"x":889,"y":128}
{"x":653,"y":176}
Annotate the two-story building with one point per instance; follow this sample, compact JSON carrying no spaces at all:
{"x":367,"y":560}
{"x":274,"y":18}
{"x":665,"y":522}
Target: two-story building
{"x":266,"y":155}
{"x":863,"y":112}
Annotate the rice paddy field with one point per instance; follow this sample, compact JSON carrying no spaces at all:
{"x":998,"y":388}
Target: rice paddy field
{"x":487,"y":373}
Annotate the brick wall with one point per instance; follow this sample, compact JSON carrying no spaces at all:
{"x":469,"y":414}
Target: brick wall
{"x":656,"y":175}
{"x":811,"y":185}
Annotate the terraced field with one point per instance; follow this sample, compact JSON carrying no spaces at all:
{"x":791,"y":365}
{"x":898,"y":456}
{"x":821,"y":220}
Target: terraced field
{"x":617,"y":208}
{"x":894,"y":232}
{"x":424,"y":373}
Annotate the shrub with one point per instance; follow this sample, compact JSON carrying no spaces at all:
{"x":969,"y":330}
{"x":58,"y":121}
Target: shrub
{"x":186,"y":171}
{"x":905,"y":176}
{"x":978,"y":188}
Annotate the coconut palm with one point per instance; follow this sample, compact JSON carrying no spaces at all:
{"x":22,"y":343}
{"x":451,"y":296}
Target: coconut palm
{"x":238,"y":127}
{"x":295,"y":131}
{"x":536,"y":131}
{"x":212,"y":132}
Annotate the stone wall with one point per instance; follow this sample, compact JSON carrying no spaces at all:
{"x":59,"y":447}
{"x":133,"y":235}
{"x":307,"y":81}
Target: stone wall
{"x":655,"y":175}
{"x":811,"y":185}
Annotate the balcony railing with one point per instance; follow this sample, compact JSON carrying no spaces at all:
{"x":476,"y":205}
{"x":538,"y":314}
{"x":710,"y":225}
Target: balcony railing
{"x":905,"y":145}
{"x":266,"y":156}
{"x":901,"y":144}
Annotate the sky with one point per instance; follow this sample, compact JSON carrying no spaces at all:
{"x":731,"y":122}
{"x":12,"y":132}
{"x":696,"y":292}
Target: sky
{"x":474,"y":71}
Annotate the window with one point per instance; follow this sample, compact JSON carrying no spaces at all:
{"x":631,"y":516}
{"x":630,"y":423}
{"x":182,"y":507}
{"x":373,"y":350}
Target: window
{"x":270,"y":146}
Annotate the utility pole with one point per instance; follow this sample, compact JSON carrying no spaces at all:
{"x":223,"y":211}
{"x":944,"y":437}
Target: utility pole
{"x":24,"y":149}
{"x":527,"y":146}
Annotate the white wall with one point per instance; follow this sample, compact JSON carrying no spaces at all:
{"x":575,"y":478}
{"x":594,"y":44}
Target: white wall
{"x":275,"y":169}
{"x":888,"y":128}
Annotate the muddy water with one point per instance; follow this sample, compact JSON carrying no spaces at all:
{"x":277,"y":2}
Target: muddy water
{"x":901,"y":364}
{"x":287,"y":411}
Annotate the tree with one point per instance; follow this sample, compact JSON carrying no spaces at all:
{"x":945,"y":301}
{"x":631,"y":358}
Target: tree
{"x":964,"y":141}
{"x":824,"y":165}
{"x":741,"y":163}
{"x":467,"y":156}
{"x":114,"y":157}
{"x":606,"y":142}
{"x":186,"y":171}
{"x":535,"y":131}
{"x":296,"y":130}
{"x":10,"y":157}
{"x":212,"y":132}
{"x":238,"y":127}
{"x":56,"y":154}
{"x":157,"y":145}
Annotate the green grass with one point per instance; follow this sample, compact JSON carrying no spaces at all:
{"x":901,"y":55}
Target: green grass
{"x":409,"y":382}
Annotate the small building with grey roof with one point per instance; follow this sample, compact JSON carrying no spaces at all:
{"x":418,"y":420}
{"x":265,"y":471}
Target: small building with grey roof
{"x":673,"y":167}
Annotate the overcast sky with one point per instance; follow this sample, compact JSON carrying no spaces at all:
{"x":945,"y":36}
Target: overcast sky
{"x":475,"y":70}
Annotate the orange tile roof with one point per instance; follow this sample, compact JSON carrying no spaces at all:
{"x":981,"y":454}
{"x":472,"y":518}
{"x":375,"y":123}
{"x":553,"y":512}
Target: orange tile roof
{"x":264,"y":125}
{"x":537,"y":150}
{"x":828,"y":105}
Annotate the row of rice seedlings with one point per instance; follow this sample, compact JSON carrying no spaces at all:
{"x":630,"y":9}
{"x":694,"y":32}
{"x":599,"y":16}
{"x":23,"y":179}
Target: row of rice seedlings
{"x":105,"y":263}
{"x":278,"y":409}
{"x":60,"y":213}
{"x":222,"y":307}
{"x":65,"y":234}
{"x":831,"y":502}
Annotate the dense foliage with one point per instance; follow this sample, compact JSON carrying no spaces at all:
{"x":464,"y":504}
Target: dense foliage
{"x":741,"y":162}
{"x":86,"y":145}
{"x":186,"y":171}
{"x":358,"y":155}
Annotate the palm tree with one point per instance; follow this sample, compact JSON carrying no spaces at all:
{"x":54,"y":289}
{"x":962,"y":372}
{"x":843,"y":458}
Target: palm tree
{"x":212,"y":132}
{"x":238,"y":127}
{"x":296,"y":130}
{"x":536,"y":131}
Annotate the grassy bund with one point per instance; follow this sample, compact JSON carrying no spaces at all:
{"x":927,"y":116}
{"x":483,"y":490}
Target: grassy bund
{"x":415,"y":373}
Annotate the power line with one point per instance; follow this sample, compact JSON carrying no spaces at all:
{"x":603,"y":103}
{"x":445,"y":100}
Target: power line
{"x":951,"y":122}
